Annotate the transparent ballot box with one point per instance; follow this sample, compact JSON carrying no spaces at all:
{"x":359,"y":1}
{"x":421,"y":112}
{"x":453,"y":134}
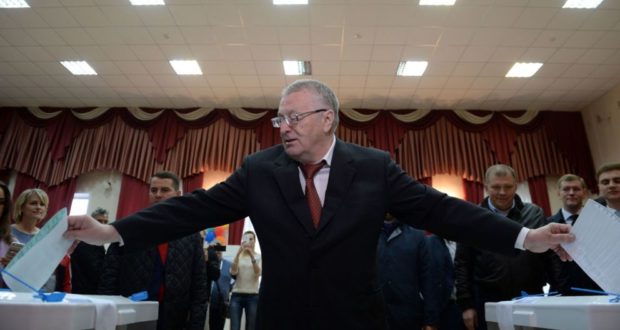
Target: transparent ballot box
{"x":582,"y":312}
{"x":20,"y":310}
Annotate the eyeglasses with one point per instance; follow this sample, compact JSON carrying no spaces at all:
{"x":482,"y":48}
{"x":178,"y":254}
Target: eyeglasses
{"x":293,"y":119}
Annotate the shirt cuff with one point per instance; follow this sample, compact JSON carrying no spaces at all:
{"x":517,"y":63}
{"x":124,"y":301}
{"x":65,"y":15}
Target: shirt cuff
{"x":519,"y":243}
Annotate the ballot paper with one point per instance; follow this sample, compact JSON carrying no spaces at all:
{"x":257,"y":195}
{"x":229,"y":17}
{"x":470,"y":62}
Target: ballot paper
{"x":596,"y":247}
{"x":37,"y":260}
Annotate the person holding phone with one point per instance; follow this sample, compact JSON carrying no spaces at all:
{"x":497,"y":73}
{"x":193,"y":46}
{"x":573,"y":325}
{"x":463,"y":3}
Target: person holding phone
{"x":247,"y":269}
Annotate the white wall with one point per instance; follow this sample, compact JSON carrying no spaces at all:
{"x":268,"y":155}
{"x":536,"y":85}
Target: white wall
{"x":602,"y":122}
{"x":104,"y":189}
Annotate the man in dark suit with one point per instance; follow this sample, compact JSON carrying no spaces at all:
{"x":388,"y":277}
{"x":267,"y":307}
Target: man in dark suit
{"x":608,"y":178}
{"x":407,"y":277}
{"x":87,"y":261}
{"x":572,"y":193}
{"x":173,"y":273}
{"x":219,"y":281}
{"x":321,"y":276}
{"x":485,"y":276}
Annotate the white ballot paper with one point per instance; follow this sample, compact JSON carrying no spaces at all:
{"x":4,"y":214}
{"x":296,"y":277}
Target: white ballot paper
{"x":596,"y":247}
{"x":37,"y":260}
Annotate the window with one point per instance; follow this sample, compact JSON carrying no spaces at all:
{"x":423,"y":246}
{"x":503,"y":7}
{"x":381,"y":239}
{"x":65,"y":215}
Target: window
{"x":79,"y":205}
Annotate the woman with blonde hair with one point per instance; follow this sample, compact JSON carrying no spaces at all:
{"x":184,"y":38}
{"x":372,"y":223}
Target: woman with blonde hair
{"x":29,"y":211}
{"x":247,"y":269}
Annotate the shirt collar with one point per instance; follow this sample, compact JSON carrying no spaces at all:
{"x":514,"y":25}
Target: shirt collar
{"x":566,"y":214}
{"x":496,"y":210}
{"x":330,"y":153}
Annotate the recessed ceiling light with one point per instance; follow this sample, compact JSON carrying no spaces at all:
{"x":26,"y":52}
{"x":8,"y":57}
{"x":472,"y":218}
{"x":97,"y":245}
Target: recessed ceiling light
{"x":437,"y":2}
{"x":79,"y":68}
{"x":13,"y":4}
{"x":290,"y":2}
{"x":297,"y":68}
{"x":582,"y":4}
{"x":147,"y":2}
{"x":412,"y":68}
{"x":186,"y":67}
{"x":523,"y":70}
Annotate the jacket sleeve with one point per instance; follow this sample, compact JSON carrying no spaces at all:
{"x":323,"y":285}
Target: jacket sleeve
{"x":464,"y":276}
{"x":198,"y":309}
{"x":108,"y":282}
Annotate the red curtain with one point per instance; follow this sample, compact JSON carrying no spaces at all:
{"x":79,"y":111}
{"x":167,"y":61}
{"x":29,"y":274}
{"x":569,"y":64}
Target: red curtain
{"x":133,"y":197}
{"x":193,"y":182}
{"x":539,"y":193}
{"x":235,"y":231}
{"x":427,"y":181}
{"x":61,"y":196}
{"x":474,"y":191}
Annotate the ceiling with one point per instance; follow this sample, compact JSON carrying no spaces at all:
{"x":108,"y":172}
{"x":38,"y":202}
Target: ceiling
{"x":354,"y":46}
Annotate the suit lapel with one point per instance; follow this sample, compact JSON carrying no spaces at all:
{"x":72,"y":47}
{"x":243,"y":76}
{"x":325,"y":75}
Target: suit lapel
{"x":341,"y":174}
{"x":286,"y":172}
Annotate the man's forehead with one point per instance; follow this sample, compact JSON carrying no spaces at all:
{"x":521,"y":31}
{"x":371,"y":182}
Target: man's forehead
{"x":573,"y":183}
{"x":613,"y":174}
{"x":501,"y":179}
{"x":162,"y":183}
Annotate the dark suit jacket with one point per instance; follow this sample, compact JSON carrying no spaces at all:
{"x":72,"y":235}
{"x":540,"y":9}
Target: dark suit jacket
{"x":407,"y":279}
{"x":324,"y":278}
{"x":572,"y":274}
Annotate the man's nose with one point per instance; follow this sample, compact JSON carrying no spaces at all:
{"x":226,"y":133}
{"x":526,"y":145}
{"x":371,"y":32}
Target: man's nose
{"x":284,"y":127}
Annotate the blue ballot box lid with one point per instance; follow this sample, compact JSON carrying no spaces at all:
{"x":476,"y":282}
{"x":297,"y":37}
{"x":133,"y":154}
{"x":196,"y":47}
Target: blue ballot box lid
{"x":579,"y":312}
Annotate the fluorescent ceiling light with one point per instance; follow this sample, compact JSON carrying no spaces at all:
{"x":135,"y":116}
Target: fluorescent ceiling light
{"x":147,"y":2}
{"x":297,"y":68}
{"x":13,"y":4}
{"x":79,"y":68}
{"x":290,"y":2}
{"x":412,"y":68}
{"x":437,"y":2}
{"x":186,"y":67}
{"x":523,"y":70}
{"x":582,"y":4}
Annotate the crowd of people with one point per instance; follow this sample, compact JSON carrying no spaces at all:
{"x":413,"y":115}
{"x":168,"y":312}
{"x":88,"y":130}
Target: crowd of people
{"x":339,"y":247}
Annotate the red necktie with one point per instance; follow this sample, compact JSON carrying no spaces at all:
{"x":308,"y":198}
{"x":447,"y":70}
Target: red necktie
{"x":314,"y":203}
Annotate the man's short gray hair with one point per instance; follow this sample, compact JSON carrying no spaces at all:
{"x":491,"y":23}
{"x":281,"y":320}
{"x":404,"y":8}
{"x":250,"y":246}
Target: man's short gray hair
{"x":500,"y":170}
{"x":319,"y":88}
{"x":99,"y":211}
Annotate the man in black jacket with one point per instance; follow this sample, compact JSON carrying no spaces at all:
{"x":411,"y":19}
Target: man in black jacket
{"x":572,"y":193}
{"x":483,"y":276}
{"x":87,"y":261}
{"x":172,"y":273}
{"x":319,"y":274}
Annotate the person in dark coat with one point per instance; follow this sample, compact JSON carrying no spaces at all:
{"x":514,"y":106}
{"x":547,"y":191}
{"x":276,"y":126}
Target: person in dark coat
{"x":407,"y":277}
{"x":321,"y":276}
{"x":572,"y":192}
{"x":483,"y":276}
{"x":173,"y":273}
{"x":442,"y":253}
{"x":87,"y":261}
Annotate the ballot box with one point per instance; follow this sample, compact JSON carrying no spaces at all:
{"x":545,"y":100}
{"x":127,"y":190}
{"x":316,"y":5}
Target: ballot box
{"x":583,"y":312}
{"x":22,"y":311}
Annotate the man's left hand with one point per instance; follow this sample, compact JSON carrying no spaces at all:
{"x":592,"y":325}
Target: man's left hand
{"x":549,"y":237}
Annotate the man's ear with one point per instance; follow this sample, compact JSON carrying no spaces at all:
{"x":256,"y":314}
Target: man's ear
{"x":329,"y":121}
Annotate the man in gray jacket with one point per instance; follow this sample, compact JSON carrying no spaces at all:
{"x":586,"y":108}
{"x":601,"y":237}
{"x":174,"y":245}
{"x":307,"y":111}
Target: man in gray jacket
{"x":483,"y":276}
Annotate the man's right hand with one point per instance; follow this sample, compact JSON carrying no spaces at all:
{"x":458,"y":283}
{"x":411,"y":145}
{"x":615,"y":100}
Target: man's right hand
{"x":470,"y":318}
{"x":86,"y":229}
